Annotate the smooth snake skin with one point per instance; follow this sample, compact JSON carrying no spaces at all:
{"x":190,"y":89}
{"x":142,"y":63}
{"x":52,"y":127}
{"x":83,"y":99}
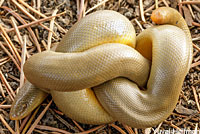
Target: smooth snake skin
{"x":96,"y":76}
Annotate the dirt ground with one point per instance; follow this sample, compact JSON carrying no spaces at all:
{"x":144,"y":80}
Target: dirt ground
{"x":47,"y":118}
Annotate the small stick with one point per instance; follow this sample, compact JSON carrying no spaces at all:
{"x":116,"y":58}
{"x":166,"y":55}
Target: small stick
{"x":196,"y":97}
{"x":195,"y":64}
{"x":51,"y":27}
{"x":190,"y":8}
{"x":151,"y":8}
{"x":196,"y":24}
{"x":129,"y":129}
{"x":22,"y":64}
{"x":40,"y":14}
{"x":166,"y":4}
{"x":79,"y":127}
{"x":142,"y":11}
{"x":16,"y":31}
{"x":10,"y":45}
{"x":30,"y":120}
{"x":24,"y":22}
{"x":35,"y":22}
{"x":156,"y":1}
{"x":39,"y":118}
{"x":1,"y":2}
{"x":6,"y":124}
{"x":24,"y":122}
{"x":118,"y":128}
{"x":195,"y":46}
{"x":29,"y":15}
{"x":97,"y":5}
{"x":92,"y":130}
{"x":138,"y":23}
{"x":17,"y":127}
{"x":5,"y":106}
{"x":10,"y":55}
{"x":2,"y":92}
{"x":81,"y":6}
{"x":52,"y":129}
{"x":190,"y":2}
{"x":8,"y":88}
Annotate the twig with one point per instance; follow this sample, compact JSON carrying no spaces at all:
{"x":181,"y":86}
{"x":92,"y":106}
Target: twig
{"x":8,"y":88}
{"x":156,"y":1}
{"x":195,"y":64}
{"x":151,"y":8}
{"x":195,"y":46}
{"x":35,"y":22}
{"x":79,"y":127}
{"x":6,"y":124}
{"x":29,"y":15}
{"x":129,"y":129}
{"x":2,"y":92}
{"x":17,"y":127}
{"x":22,"y":64}
{"x":196,"y":97}
{"x":5,"y":106}
{"x":38,"y":119}
{"x":81,"y":6}
{"x":30,"y":120}
{"x":1,"y":2}
{"x":40,"y":14}
{"x":24,"y":22}
{"x":118,"y":128}
{"x":190,"y":2}
{"x":10,"y":45}
{"x":51,"y":27}
{"x":24,"y":122}
{"x":138,"y":23}
{"x":16,"y":30}
{"x":10,"y":55}
{"x":142,"y":11}
{"x":166,"y":4}
{"x":92,"y":130}
{"x":97,"y":5}
{"x":51,"y":129}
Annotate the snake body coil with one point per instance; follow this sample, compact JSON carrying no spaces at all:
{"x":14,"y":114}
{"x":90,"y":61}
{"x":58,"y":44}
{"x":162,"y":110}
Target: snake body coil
{"x":95,"y":76}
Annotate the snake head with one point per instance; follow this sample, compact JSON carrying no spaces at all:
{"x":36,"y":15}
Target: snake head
{"x":28,"y":98}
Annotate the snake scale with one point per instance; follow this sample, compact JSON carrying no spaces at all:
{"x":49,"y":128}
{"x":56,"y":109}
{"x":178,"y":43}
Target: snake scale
{"x":101,"y":72}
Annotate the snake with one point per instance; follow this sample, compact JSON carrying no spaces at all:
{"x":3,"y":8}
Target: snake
{"x":102,"y":72}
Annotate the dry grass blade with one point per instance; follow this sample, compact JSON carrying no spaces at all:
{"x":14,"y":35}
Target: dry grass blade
{"x":6,"y":124}
{"x":156,"y":1}
{"x":24,"y":22}
{"x":152,"y":7}
{"x":51,"y":129}
{"x":118,"y":128}
{"x":39,"y":118}
{"x":138,"y":23}
{"x":174,"y":126}
{"x":94,"y":7}
{"x":195,"y":46}
{"x":92,"y":130}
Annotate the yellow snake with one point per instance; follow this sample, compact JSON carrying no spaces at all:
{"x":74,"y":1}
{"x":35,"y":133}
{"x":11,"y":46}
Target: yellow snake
{"x":96,"y":76}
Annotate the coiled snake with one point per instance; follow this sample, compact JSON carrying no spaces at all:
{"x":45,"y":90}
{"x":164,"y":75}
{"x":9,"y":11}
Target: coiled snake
{"x":96,"y":76}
